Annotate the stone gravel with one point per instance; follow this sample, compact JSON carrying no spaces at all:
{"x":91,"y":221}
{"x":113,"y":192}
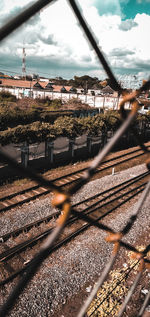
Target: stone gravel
{"x":67,"y":270}
{"x":38,"y":209}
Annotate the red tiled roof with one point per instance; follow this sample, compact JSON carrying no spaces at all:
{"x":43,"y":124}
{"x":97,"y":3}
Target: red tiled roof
{"x":29,"y":84}
{"x":17,"y":83}
{"x":58,"y":88}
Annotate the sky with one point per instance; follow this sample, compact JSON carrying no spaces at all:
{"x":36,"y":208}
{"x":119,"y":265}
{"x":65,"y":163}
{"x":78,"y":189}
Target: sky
{"x":56,"y":46}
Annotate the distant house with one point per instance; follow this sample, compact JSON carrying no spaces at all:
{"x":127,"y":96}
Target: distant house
{"x":73,"y":90}
{"x":16,"y":77}
{"x":94,"y":92}
{"x":80,"y":90}
{"x":63,"y":89}
{"x":49,"y":87}
{"x":108,"y":91}
{"x":37,"y":86}
{"x":44,"y":79}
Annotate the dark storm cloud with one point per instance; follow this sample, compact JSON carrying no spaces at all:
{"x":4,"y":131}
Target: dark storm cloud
{"x":145,"y":65}
{"x":33,"y":37}
{"x":9,"y":59}
{"x":127,"y":25}
{"x":121,"y":52}
{"x":53,"y":66}
{"x":132,"y":67}
{"x":52,"y":62}
{"x":35,"y":64}
{"x":47,"y":40}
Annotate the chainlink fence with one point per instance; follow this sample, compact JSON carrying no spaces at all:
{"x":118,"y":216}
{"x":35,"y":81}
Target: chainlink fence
{"x":62,"y":198}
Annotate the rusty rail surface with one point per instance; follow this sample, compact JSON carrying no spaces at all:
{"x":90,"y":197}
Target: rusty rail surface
{"x":62,"y":198}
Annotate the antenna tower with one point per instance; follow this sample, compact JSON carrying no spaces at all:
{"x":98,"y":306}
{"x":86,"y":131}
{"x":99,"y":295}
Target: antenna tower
{"x":24,"y":63}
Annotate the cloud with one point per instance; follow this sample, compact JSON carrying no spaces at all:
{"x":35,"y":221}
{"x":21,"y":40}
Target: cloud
{"x":121,"y":52}
{"x":55,"y":43}
{"x":47,"y":40}
{"x":108,"y":7}
{"x":1,"y":4}
{"x":127,"y":25}
{"x":86,"y":58}
{"x":5,"y":16}
{"x":142,"y":65}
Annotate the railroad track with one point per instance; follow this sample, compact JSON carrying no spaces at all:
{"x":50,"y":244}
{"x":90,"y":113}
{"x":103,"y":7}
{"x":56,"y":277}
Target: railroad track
{"x":98,"y":206}
{"x":31,"y":193}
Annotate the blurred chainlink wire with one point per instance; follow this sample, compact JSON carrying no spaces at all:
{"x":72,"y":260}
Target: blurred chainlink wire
{"x":62,"y":198}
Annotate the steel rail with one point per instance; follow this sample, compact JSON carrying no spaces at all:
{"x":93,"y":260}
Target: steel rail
{"x":130,"y":293}
{"x":102,"y":154}
{"x":6,"y":254}
{"x":31,"y":271}
{"x":123,"y":185}
{"x":28,"y":172}
{"x":30,"y":242}
{"x":126,"y":273}
{"x":145,"y":304}
{"x":27,"y":227}
{"x":99,"y":283}
{"x":117,"y":240}
{"x":61,"y":177}
{"x":79,"y":171}
{"x":106,"y":228}
{"x":64,"y":177}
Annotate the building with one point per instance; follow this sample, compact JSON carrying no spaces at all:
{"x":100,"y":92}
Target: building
{"x":106,"y":99}
{"x":34,"y":88}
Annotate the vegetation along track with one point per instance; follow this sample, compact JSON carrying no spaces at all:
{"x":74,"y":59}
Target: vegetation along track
{"x":31,"y":193}
{"x":98,"y":206}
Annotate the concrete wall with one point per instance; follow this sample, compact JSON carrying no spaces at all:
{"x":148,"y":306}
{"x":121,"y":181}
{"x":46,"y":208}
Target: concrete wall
{"x":105,"y":102}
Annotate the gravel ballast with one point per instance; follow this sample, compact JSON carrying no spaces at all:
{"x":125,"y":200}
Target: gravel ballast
{"x":72,"y":267}
{"x":33,"y":211}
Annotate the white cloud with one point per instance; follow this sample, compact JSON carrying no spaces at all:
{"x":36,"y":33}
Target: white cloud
{"x":9,"y":5}
{"x":56,"y":35}
{"x":127,"y":25}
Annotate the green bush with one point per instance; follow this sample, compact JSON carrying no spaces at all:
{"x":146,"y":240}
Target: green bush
{"x":93,"y":125}
{"x":6,"y":96}
{"x":65,"y":126}
{"x":112,"y":120}
{"x":69,"y":127}
{"x":32,"y":133}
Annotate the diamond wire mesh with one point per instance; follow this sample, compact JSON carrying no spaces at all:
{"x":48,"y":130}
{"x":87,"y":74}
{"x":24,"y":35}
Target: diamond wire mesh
{"x":62,"y":199}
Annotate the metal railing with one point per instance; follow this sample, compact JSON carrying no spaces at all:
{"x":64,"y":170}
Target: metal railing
{"x":62,"y":198}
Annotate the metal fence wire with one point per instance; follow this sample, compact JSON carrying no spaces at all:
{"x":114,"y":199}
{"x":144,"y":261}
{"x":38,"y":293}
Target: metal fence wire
{"x":62,"y":198}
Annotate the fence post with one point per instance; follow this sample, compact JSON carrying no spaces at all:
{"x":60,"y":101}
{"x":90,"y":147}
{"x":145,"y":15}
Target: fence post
{"x":71,"y":146}
{"x":104,"y":138}
{"x":104,"y":104}
{"x":89,"y":143}
{"x":25,"y":154}
{"x":94,"y":101}
{"x":49,"y":150}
